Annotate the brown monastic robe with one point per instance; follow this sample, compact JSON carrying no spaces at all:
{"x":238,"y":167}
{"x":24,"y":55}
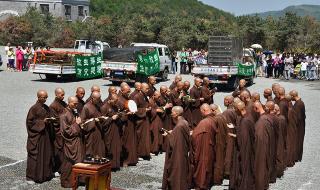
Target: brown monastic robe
{"x":301,"y":114}
{"x":143,"y":126}
{"x":273,"y":137}
{"x":231,"y":117}
{"x":262,"y":153}
{"x":90,"y":98}
{"x":39,"y":146}
{"x":195,"y":93}
{"x":174,"y":98}
{"x":237,"y":91}
{"x":58,"y":107}
{"x":251,"y":112}
{"x":187,"y":113}
{"x":156,"y":123}
{"x":72,"y":147}
{"x":173,"y":85}
{"x":220,"y":148}
{"x":207,"y":95}
{"x":94,"y":144}
{"x":80,"y":105}
{"x":283,"y":105}
{"x":129,"y":137}
{"x":292,"y":136}
{"x":152,"y":89}
{"x":132,"y":95}
{"x":111,"y":131}
{"x":167,"y":120}
{"x":281,"y":146}
{"x":203,"y":152}
{"x":242,"y":173}
{"x":176,"y":174}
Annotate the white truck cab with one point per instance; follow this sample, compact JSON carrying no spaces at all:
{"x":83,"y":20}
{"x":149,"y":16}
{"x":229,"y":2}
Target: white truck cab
{"x":90,"y":47}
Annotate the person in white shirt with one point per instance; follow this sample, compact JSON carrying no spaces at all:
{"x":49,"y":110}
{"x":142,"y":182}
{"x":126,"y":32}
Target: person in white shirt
{"x":303,"y":69}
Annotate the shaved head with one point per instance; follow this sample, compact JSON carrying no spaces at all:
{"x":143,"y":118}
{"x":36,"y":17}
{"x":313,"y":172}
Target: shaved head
{"x":180,"y":85}
{"x":156,"y":95}
{"x":137,"y":86}
{"x":215,"y":109}
{"x":245,"y":96}
{"x":293,"y":93}
{"x":96,"y":95}
{"x":42,"y":96}
{"x":186,"y":85}
{"x":240,"y":105}
{"x":281,"y":91}
{"x":72,"y":99}
{"x":59,"y":92}
{"x":228,"y":100}
{"x":145,"y":88}
{"x":113,"y":90}
{"x":177,"y":79}
{"x":269,"y":106}
{"x":277,"y":109}
{"x":257,"y":106}
{"x":95,"y":88}
{"x":205,"y":109}
{"x":275,"y":87}
{"x":152,"y":80}
{"x":288,"y":97}
{"x":177,"y":110}
{"x":163,"y":89}
{"x":242,"y":83}
{"x":267,"y":93}
{"x":197,"y":81}
{"x":41,"y":93}
{"x":255,"y":96}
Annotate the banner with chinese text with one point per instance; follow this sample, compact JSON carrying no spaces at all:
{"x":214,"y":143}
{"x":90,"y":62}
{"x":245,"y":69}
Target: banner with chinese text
{"x":148,"y":62}
{"x":245,"y":70}
{"x":88,"y":67}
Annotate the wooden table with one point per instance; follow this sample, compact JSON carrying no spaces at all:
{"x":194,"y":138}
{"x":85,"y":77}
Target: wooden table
{"x":94,"y":171}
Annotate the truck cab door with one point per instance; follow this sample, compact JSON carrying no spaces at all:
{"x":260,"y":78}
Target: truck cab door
{"x":161,"y":57}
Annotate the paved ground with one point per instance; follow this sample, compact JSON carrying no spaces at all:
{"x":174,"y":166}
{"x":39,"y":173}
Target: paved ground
{"x":18,"y":94}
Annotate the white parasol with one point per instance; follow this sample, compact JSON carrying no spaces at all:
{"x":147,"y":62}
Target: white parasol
{"x":256,"y":46}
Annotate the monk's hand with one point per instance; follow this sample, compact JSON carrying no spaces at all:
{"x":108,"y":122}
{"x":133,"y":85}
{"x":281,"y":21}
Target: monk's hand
{"x":230,"y":126}
{"x":148,"y":109}
{"x":201,"y":99}
{"x":232,"y":135}
{"x":114,"y":117}
{"x":164,"y":133}
{"x":159,"y":110}
{"x":78,"y":120}
{"x":191,"y":132}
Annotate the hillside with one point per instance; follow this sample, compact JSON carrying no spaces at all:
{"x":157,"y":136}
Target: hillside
{"x":301,"y":10}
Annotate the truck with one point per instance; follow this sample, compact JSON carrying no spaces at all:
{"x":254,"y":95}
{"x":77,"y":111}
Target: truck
{"x":54,"y":64}
{"x":227,"y":62}
{"x":121,"y":64}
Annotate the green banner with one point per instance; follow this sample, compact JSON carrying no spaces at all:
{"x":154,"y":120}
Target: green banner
{"x":245,"y":70}
{"x":88,"y":67}
{"x":148,"y":62}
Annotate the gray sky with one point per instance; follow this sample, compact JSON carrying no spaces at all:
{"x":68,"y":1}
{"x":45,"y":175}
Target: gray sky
{"x":240,"y":7}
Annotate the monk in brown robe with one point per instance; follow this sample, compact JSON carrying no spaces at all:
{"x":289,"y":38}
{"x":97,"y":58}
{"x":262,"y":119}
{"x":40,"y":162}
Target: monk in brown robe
{"x":112,"y":90}
{"x":300,"y":109}
{"x":220,"y":144}
{"x":275,"y":87}
{"x":187,"y":114}
{"x":79,"y":95}
{"x":281,"y":142}
{"x":292,"y":133}
{"x":255,"y":96}
{"x":137,"y":89}
{"x":72,"y":147}
{"x":58,"y":107}
{"x":273,"y":140}
{"x":39,"y":146}
{"x":177,"y":79}
{"x":203,"y":150}
{"x":237,"y":91}
{"x":231,"y":118}
{"x":151,"y":82}
{"x":242,"y":173}
{"x":267,"y":94}
{"x":246,"y":98}
{"x":176,"y":174}
{"x":129,"y":137}
{"x":176,"y":94}
{"x":94,"y":88}
{"x":142,"y":122}
{"x":195,"y":93}
{"x":92,"y":124}
{"x":283,"y":103}
{"x":262,"y":149}
{"x":206,"y":92}
{"x":111,"y":131}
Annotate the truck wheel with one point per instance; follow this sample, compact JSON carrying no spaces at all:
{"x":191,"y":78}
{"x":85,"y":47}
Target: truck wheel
{"x":233,"y":83}
{"x":164,"y":75}
{"x":251,"y":80}
{"x":116,"y":83}
{"x":51,"y":77}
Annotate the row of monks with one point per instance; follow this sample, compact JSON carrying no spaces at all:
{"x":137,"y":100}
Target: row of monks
{"x":250,"y":143}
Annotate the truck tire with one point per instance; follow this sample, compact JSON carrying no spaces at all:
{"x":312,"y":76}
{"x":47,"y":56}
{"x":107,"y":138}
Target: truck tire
{"x":233,"y":83}
{"x":164,"y":75}
{"x":51,"y":77}
{"x":251,"y":81}
{"x":115,"y":83}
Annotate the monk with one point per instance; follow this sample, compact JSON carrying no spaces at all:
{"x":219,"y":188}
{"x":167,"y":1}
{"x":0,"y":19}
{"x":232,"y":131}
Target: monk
{"x":177,"y":79}
{"x":151,"y":82}
{"x":112,"y":130}
{"x":242,"y":84}
{"x":231,"y":118}
{"x":92,"y":125}
{"x":220,"y":144}
{"x":246,"y":99}
{"x":58,"y":107}
{"x":299,"y":108}
{"x":129,"y":137}
{"x":94,"y":88}
{"x":72,"y":147}
{"x":142,"y":122}
{"x":111,"y":91}
{"x":255,"y":97}
{"x":206,"y":92}
{"x":176,"y":174}
{"x":281,"y":142}
{"x":195,"y":93}
{"x":273,"y":140}
{"x":267,"y":94}
{"x":157,"y":114}
{"x":242,"y":176}
{"x":79,"y":95}
{"x":262,"y":149}
{"x":187,"y":114}
{"x":177,"y":94}
{"x":203,"y":150}
{"x":275,"y":87}
{"x":282,"y":102}
{"x":137,"y":86}
{"x":39,"y":147}
{"x":292,"y":134}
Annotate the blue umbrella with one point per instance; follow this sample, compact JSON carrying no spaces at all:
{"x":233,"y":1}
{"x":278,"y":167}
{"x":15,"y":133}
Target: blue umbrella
{"x":268,"y":52}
